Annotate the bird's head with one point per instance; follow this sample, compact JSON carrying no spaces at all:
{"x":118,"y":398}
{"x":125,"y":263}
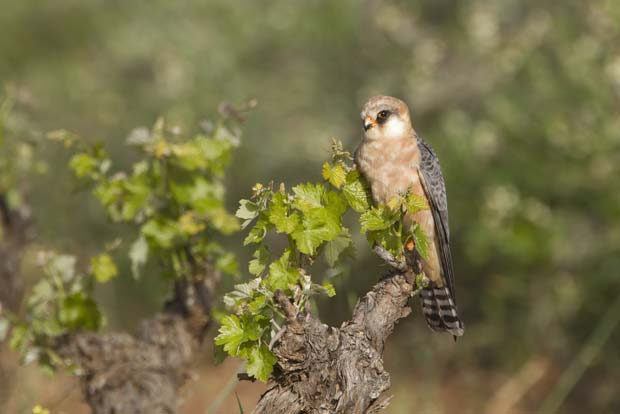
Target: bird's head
{"x":385,"y":117}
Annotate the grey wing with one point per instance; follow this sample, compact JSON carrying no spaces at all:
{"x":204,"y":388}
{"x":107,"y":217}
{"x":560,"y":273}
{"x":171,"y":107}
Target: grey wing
{"x":436,"y":192}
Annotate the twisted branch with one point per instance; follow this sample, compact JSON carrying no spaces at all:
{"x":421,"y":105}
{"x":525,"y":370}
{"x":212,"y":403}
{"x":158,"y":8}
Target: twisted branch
{"x":325,"y":370}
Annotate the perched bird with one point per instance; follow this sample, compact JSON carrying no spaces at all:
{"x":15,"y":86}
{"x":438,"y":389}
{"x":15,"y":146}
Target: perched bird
{"x":395,"y":160}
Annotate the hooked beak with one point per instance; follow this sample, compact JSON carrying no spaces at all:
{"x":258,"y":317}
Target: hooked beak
{"x":369,"y":122}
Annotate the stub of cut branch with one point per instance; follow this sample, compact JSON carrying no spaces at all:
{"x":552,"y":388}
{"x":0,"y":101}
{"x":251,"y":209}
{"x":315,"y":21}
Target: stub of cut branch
{"x":323,"y":369}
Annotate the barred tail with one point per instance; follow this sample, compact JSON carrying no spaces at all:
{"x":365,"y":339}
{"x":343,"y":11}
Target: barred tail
{"x":440,"y":311}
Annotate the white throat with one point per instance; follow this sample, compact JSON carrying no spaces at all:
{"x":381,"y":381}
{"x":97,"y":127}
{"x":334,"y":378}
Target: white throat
{"x":394,"y":128}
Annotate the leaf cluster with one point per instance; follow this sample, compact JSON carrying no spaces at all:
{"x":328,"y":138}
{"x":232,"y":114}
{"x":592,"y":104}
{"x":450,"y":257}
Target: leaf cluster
{"x":309,"y":218}
{"x":61,"y":302}
{"x":173,"y":196}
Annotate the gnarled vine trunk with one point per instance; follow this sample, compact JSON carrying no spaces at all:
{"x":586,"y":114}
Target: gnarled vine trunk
{"x":141,"y":373}
{"x":337,"y":370}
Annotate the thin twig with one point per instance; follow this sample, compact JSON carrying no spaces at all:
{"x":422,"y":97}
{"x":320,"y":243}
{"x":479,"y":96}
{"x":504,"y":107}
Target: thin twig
{"x":389,"y":258}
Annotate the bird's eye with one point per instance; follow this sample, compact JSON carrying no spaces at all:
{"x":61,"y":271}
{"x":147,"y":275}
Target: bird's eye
{"x":382,"y":115}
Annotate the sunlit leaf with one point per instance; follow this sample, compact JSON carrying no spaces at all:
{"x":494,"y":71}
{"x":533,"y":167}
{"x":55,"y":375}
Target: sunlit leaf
{"x":103,"y":268}
{"x":355,"y":192}
{"x":281,"y":273}
{"x":260,"y":362}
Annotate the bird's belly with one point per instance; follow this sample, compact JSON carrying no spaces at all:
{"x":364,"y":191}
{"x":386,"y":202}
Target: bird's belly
{"x":389,"y":182}
{"x":390,"y":179}
{"x":391,"y":168}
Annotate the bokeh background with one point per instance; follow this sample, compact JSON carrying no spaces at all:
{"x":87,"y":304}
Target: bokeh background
{"x":520,"y":99}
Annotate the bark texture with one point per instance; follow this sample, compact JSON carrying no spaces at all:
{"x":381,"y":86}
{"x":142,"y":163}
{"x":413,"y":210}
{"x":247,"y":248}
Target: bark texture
{"x":16,"y":229}
{"x":141,"y":373}
{"x":323,"y":370}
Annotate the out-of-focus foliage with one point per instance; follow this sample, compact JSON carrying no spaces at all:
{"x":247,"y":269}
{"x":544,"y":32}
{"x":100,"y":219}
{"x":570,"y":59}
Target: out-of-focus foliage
{"x":519,"y":99}
{"x":174,"y":197}
{"x":18,"y":141}
{"x":61,"y":302}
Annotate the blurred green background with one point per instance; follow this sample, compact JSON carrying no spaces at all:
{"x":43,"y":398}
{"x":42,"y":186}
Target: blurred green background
{"x":520,"y":99}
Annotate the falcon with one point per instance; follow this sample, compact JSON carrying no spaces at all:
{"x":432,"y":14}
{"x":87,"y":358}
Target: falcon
{"x":395,"y":161}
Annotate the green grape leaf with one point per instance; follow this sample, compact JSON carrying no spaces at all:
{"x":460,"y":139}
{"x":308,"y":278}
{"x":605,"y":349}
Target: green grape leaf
{"x":355,"y":192}
{"x":260,"y":362}
{"x":83,"y":165}
{"x":161,"y":233}
{"x":329,"y":289}
{"x":334,"y":249}
{"x":387,"y":239}
{"x":281,"y":273}
{"x":377,"y":219}
{"x":335,"y":203}
{"x":222,"y":220}
{"x":103,"y":268}
{"x":258,"y":232}
{"x":231,"y":334}
{"x":421,"y":241}
{"x":415,"y":203}
{"x":308,"y":196}
{"x":188,"y":156}
{"x":247,"y":211}
{"x":78,"y":311}
{"x":318,"y":225}
{"x":336,"y":175}
{"x":279,"y":214}
{"x":261,"y":258}
{"x":242,"y":292}
{"x":196,"y":191}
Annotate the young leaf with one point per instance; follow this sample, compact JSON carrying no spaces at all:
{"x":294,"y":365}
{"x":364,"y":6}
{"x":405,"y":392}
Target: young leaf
{"x":258,"y":232}
{"x":161,"y":233}
{"x":308,"y":196}
{"x":335,"y":203}
{"x":138,"y":255}
{"x":355,"y":192}
{"x":190,"y":224}
{"x":279,"y":214}
{"x":248,"y":211}
{"x":261,"y":258}
{"x":415,"y":203}
{"x":103,"y":268}
{"x":260,"y":362}
{"x":231,"y":334}
{"x":78,"y":311}
{"x":335,"y":248}
{"x":83,"y":165}
{"x":318,"y":226}
{"x":329,"y":289}
{"x":421,"y":241}
{"x":377,"y":219}
{"x":336,"y":175}
{"x":281,"y":273}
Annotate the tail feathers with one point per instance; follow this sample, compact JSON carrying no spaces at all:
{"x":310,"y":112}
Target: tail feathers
{"x":440,"y":311}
